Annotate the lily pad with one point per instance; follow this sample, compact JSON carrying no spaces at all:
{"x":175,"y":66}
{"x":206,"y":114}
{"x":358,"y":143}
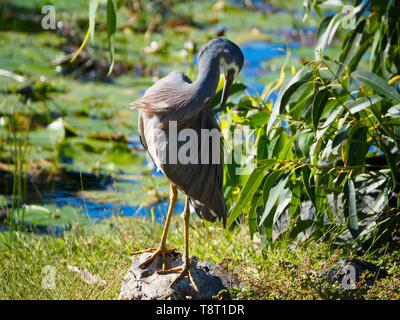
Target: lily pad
{"x":142,"y":191}
{"x":37,"y":216}
{"x":93,"y":128}
{"x":48,"y":137}
{"x":106,"y":157}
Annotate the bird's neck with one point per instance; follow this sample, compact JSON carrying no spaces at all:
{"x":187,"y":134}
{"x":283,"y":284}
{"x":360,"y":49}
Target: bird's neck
{"x":209,"y":72}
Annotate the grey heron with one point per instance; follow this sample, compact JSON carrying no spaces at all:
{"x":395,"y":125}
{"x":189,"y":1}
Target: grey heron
{"x":175,"y":98}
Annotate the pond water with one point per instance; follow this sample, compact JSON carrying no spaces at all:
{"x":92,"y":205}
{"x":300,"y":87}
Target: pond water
{"x":256,"y":54}
{"x":66,"y":191}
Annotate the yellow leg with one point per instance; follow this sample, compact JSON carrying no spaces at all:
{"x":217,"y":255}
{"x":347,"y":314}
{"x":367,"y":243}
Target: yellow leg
{"x":184,"y":269}
{"x":162,"y":249}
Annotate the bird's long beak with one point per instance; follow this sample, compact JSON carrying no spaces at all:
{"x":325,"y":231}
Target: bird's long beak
{"x":227,"y":86}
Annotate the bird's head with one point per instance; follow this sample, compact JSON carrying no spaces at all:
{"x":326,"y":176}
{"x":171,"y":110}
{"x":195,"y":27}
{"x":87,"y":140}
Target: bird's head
{"x":231,"y":60}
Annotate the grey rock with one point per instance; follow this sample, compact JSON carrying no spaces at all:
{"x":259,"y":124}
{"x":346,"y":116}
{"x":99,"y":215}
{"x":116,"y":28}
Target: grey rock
{"x":371,"y":272}
{"x":211,"y":280}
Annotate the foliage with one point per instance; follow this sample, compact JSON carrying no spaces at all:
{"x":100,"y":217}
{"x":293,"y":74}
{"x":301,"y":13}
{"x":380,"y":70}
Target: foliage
{"x":330,"y":136}
{"x":376,"y":30}
{"x":327,"y":150}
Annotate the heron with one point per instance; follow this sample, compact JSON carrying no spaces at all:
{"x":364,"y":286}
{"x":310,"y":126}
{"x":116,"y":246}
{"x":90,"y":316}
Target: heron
{"x":175,"y":98}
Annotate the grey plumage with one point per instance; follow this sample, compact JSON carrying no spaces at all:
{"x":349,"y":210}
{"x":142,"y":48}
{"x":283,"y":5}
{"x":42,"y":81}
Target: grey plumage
{"x":176,"y":98}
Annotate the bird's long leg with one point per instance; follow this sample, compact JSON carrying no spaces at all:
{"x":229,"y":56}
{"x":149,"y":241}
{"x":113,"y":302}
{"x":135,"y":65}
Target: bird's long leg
{"x":162,"y":248}
{"x":184,"y":269}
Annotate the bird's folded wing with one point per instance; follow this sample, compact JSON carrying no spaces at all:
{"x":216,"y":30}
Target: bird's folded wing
{"x":202,"y":181}
{"x":171,"y":99}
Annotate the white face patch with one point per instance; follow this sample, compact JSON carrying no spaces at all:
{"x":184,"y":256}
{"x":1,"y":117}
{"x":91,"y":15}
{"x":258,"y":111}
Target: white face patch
{"x":230,"y":66}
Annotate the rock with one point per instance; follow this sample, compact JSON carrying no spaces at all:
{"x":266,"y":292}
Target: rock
{"x":370,"y":271}
{"x":146,"y":284}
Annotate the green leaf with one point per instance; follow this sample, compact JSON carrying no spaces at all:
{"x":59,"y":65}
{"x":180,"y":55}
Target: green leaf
{"x":330,"y":25}
{"x":251,"y":186}
{"x":273,"y":218}
{"x":215,"y":102}
{"x":50,"y":215}
{"x":284,"y":200}
{"x":327,"y":30}
{"x":319,"y":103}
{"x":352,"y":51}
{"x":381,"y":199}
{"x":377,"y":83}
{"x":93,"y":155}
{"x":391,"y":161}
{"x":374,"y":52}
{"x":111,"y":17}
{"x":48,"y":137}
{"x":350,"y":209}
{"x":328,"y":122}
{"x":306,"y":176}
{"x":296,"y":93}
{"x":83,"y":44}
{"x":253,"y":216}
{"x":111,"y":29}
{"x":394,"y":112}
{"x":281,"y":145}
{"x":286,"y":151}
{"x":301,"y":227}
{"x":295,"y":201}
{"x":262,"y":145}
{"x":302,"y":76}
{"x":304,"y":140}
{"x":341,"y":135}
{"x":269,"y":182}
{"x":259,"y":119}
{"x":357,"y":146}
{"x":93,"y":5}
{"x":274,"y":196}
{"x":362,"y":103}
{"x":299,"y":102}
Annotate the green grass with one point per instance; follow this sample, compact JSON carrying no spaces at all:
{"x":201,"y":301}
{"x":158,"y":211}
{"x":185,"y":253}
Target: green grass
{"x":282,"y":272}
{"x":96,"y":110}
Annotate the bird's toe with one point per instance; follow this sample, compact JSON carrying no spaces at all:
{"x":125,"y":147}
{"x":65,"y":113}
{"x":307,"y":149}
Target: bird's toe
{"x":156,"y":252}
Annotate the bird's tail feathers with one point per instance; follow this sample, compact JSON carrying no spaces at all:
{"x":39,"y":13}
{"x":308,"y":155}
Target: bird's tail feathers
{"x":204,"y":213}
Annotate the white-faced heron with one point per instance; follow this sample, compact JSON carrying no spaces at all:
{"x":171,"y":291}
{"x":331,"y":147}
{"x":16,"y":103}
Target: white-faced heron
{"x":176,"y":99}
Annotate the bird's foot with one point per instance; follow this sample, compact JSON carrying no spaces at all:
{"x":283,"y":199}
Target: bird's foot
{"x":156,"y":252}
{"x":183,"y":272}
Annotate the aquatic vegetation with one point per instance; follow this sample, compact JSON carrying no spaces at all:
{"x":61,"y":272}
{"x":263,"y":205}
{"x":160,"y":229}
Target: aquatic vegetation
{"x":71,"y":118}
{"x":326,"y":131}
